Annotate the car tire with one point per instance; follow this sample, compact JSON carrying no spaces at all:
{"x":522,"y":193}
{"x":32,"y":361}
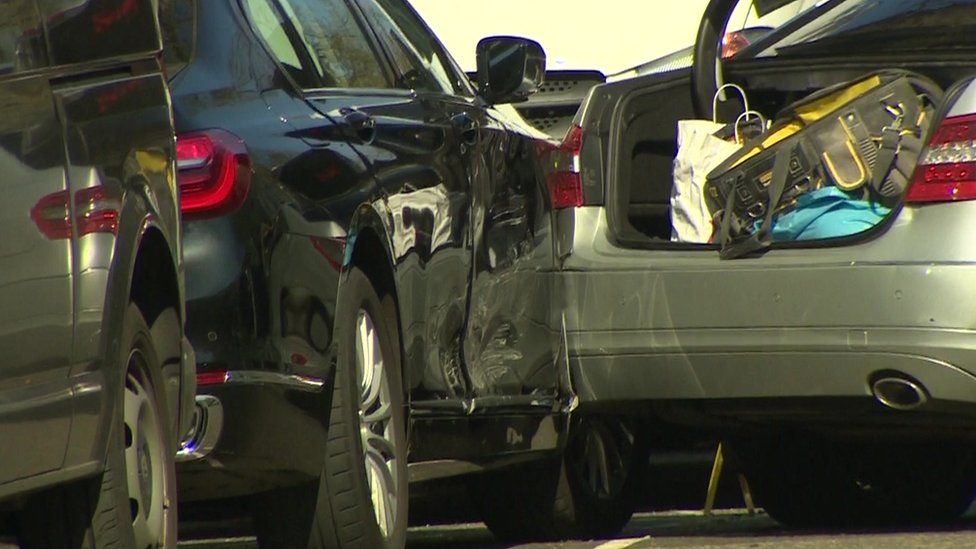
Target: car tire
{"x":132,"y":503}
{"x":362,"y":496}
{"x":589,"y":492}
{"x":811,"y":483}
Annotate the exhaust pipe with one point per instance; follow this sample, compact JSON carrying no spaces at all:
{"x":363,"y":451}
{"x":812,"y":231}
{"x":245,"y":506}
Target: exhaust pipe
{"x":207,"y":422}
{"x":899,"y":393}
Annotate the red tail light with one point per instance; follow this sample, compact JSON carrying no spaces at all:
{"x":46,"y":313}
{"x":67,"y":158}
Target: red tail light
{"x":733,"y":43}
{"x":215,"y":377}
{"x":564,"y":183}
{"x":95,"y":210}
{"x":947,"y":170}
{"x":214,"y":171}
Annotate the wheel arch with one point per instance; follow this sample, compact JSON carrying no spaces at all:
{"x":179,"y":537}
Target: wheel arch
{"x":154,"y":284}
{"x":372,"y":257}
{"x":144,"y":270}
{"x":156,"y":291}
{"x":370,"y":249}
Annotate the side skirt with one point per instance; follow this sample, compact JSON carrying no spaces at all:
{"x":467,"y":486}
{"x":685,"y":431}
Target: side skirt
{"x":449,"y":445}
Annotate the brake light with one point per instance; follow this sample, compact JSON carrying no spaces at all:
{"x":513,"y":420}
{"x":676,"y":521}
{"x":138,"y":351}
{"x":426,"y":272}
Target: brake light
{"x":733,"y":43}
{"x":215,"y":377}
{"x":564,"y":182}
{"x":947,"y":170}
{"x":214,"y":171}
{"x":95,"y":212}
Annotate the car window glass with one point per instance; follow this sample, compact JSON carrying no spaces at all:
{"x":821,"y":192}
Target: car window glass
{"x":177,"y":20}
{"x":342,"y":52}
{"x":419,"y":59}
{"x":21,"y":39}
{"x":878,"y":27}
{"x":267,"y":24}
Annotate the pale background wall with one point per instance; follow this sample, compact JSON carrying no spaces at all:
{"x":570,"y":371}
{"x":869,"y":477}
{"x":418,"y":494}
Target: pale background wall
{"x":608,"y":35}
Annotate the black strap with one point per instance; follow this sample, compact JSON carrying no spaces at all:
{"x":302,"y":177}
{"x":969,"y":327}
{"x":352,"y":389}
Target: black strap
{"x":762,"y":238}
{"x":725,"y":238}
{"x":890,"y":138}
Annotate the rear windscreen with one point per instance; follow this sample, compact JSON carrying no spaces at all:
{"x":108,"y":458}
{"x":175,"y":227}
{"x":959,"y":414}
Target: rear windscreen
{"x":874,"y":27}
{"x":81,"y":31}
{"x":177,"y":20}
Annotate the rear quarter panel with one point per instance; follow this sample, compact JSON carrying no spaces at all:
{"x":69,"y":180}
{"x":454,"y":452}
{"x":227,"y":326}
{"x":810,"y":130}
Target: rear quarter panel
{"x":114,"y":103}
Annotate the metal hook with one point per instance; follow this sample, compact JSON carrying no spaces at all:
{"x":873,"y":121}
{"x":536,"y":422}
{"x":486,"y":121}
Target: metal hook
{"x":718,"y":92}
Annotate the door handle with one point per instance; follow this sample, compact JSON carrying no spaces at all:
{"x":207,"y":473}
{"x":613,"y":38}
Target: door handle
{"x":467,"y":127}
{"x":362,"y":125}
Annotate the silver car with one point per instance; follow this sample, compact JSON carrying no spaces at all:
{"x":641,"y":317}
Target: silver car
{"x":840,"y":373}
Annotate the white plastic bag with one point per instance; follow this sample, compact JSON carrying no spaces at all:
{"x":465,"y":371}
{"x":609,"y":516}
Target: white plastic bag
{"x":699,"y":151}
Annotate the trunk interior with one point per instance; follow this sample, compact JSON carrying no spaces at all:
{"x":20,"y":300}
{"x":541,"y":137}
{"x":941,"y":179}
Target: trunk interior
{"x":640,"y":188}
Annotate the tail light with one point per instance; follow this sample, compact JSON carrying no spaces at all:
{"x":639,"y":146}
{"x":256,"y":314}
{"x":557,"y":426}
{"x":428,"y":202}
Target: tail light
{"x":214,"y":171}
{"x":564,"y":182}
{"x":733,"y":43}
{"x":214,"y":377}
{"x":95,"y":212}
{"x":947,"y":169}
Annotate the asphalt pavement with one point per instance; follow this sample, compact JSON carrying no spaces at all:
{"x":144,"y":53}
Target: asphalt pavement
{"x":440,"y":525}
{"x":724,"y":529}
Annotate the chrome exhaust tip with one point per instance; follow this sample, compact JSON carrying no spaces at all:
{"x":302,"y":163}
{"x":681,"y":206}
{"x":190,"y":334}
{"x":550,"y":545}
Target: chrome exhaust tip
{"x":207,"y":422}
{"x":899,"y":393}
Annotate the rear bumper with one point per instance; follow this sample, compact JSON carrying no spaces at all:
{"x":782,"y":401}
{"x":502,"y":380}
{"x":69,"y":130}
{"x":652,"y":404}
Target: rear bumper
{"x":823,"y":387}
{"x":800,"y":364}
{"x":680,"y":324}
{"x":273,"y":436}
{"x":634,"y":349}
{"x":188,"y":388}
{"x":779,"y":332}
{"x":267,"y":326}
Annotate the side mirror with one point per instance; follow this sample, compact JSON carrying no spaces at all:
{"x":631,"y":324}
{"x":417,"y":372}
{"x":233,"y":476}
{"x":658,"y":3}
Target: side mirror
{"x":509,"y":69}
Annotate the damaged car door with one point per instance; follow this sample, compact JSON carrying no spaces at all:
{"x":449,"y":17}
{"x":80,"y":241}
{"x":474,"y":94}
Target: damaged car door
{"x":492,"y":341}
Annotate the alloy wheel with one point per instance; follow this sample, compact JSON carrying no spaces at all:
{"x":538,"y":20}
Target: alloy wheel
{"x":376,"y":423}
{"x":601,"y":464}
{"x":145,"y":460}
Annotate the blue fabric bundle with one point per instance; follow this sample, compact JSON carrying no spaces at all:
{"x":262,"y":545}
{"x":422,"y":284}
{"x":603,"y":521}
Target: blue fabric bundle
{"x":827,"y":213}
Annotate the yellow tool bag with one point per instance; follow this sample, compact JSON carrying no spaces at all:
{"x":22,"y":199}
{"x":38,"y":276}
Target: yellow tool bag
{"x":862,"y":137}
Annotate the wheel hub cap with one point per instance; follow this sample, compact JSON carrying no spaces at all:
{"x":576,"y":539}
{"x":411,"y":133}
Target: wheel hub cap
{"x":145,"y":476}
{"x":144,"y":463}
{"x":375,"y":423}
{"x":601,"y":463}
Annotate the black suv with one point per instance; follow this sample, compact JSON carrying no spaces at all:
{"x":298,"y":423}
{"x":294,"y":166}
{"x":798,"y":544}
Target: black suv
{"x":97,"y":382}
{"x":369,"y":257}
